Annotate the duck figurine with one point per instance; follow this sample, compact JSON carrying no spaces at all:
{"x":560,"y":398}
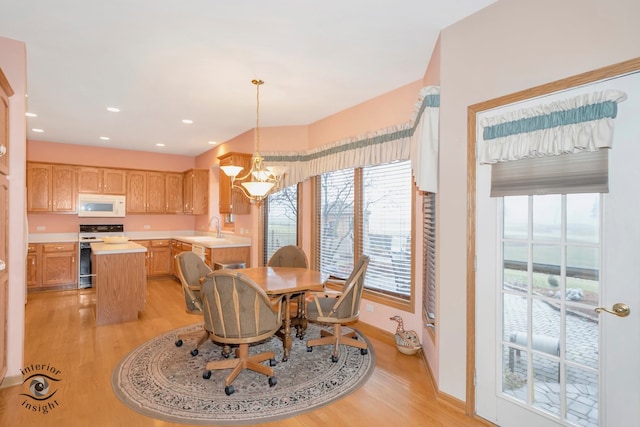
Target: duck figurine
{"x":407,"y":342}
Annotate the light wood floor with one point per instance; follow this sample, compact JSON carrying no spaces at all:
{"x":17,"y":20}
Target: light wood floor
{"x":61,"y":332}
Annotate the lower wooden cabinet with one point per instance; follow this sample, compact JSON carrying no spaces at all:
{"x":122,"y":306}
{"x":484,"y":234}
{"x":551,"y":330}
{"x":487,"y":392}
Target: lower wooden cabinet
{"x":34,"y":270}
{"x":52,"y":266}
{"x":158,"y":257}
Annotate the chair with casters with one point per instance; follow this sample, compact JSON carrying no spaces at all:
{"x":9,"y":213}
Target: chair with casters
{"x":289,"y":256}
{"x":238,"y":312}
{"x":293,"y":256}
{"x":191,"y":272}
{"x":339,"y":309}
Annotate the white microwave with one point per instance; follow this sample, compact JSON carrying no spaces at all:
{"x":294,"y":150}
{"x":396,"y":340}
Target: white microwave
{"x":101,"y":205}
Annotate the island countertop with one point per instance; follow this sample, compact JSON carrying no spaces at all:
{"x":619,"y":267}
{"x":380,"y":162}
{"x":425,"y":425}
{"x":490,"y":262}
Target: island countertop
{"x":101,"y":248}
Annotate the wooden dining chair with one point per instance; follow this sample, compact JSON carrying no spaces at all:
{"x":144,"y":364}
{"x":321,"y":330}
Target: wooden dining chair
{"x":289,"y":256}
{"x":238,"y":312}
{"x":293,"y":256}
{"x":338,"y":309}
{"x":191,"y":271}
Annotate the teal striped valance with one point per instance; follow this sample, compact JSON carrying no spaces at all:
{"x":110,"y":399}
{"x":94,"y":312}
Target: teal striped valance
{"x":580,"y":123}
{"x":587,"y":113}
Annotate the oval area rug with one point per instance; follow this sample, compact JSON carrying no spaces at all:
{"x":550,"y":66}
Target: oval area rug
{"x":165,"y":382}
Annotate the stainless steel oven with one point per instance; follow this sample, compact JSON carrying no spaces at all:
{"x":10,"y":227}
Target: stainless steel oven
{"x":90,"y":233}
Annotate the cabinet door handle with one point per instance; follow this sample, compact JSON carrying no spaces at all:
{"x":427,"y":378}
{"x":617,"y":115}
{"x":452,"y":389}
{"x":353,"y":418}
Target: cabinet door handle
{"x":3,"y":265}
{"x":3,"y":150}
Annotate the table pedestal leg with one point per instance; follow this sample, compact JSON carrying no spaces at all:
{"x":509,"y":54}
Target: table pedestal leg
{"x":287,"y":342}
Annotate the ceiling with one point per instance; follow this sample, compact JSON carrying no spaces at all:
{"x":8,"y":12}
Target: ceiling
{"x":162,"y":61}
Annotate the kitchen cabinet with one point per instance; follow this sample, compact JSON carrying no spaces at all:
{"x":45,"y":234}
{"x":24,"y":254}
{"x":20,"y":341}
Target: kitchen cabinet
{"x":34,"y":271}
{"x":158,"y":256}
{"x":173,"y":192}
{"x":52,"y":188}
{"x":102,"y":180}
{"x":196,"y":191}
{"x":232,"y":201}
{"x":5,"y":93}
{"x":59,"y":265}
{"x":146,"y":192}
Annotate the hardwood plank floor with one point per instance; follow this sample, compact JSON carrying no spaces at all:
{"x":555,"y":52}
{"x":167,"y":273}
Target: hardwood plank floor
{"x":61,"y":332}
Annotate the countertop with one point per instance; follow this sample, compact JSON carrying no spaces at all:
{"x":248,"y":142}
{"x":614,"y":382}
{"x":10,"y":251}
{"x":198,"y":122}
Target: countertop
{"x":101,"y":248}
{"x":202,"y":239}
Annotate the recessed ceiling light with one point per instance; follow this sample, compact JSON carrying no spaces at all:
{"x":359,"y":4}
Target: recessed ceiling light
{"x":113,"y":109}
{"x":37,"y":130}
{"x":187,"y":121}
{"x":105,"y":138}
{"x":159,"y":144}
{"x":213,"y":143}
{"x":31,"y":114}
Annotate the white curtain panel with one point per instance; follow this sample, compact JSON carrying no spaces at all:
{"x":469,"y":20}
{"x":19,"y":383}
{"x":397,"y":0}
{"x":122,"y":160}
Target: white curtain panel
{"x":424,"y":152}
{"x":581,"y":123}
{"x":416,"y":140}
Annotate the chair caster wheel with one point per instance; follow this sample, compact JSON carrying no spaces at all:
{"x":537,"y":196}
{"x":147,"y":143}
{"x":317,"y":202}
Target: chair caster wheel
{"x":272,"y":381}
{"x":206,"y":375}
{"x":363,"y":351}
{"x":194,"y":352}
{"x":309,"y":349}
{"x":334,"y":359}
{"x":229,"y":390}
{"x":272,"y":362}
{"x":179,"y":343}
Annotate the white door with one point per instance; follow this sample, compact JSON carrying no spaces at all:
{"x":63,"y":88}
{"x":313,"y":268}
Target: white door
{"x":544,"y":263}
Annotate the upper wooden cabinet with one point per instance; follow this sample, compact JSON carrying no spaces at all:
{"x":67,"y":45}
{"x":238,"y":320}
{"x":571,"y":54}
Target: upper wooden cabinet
{"x":173,"y":192}
{"x":52,"y":188}
{"x":102,"y":180}
{"x":146,"y":192}
{"x":196,"y":191}
{"x":233,"y":201}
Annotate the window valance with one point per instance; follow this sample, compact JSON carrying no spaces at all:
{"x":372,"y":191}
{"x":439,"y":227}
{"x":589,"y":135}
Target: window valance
{"x":581,"y":123}
{"x":416,"y":140}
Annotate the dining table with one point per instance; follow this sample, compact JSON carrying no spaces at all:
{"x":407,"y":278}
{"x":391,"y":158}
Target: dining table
{"x":287,"y":282}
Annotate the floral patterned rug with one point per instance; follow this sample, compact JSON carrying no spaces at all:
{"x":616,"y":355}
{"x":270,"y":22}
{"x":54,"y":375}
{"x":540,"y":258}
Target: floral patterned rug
{"x":165,"y":382}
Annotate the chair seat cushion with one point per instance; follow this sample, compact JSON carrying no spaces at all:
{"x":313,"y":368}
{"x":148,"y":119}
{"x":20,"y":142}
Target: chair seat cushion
{"x":326,"y":304}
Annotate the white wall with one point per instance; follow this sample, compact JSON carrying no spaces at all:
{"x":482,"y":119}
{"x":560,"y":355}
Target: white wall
{"x":509,"y":46}
{"x":13,"y":64}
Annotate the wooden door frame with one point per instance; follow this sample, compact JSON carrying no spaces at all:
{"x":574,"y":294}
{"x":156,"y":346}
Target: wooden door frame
{"x":619,"y":69}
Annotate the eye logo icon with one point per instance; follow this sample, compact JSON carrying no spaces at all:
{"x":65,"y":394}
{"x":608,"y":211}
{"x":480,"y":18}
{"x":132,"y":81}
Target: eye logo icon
{"x":39,"y":387}
{"x":40,"y":379}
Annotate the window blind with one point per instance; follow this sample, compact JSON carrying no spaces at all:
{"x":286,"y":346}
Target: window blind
{"x":335,"y":219}
{"x":585,"y":172}
{"x":280,"y":221}
{"x":386,"y":230}
{"x":429,"y":257}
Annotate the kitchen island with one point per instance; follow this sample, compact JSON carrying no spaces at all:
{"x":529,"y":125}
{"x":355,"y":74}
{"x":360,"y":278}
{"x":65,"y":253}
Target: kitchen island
{"x":120,"y":281}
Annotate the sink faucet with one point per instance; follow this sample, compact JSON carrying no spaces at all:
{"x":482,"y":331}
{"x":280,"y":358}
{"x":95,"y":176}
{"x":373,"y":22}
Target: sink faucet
{"x":218,"y":231}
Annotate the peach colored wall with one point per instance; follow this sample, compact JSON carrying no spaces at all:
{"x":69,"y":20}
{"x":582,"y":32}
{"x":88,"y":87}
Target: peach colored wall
{"x":390,"y":109}
{"x":39,"y":151}
{"x":13,"y":62}
{"x":500,"y":50}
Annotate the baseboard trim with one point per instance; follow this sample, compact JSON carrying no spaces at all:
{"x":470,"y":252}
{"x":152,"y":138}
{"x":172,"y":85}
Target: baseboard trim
{"x":11,"y":381}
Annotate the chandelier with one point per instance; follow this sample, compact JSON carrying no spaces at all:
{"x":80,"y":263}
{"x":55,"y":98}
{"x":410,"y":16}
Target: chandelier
{"x":264,"y":179}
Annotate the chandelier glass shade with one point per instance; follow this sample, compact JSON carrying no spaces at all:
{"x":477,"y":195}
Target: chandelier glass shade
{"x":260,"y":180}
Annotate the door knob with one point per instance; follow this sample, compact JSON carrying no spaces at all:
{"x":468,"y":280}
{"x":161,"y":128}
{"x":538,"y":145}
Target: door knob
{"x":619,"y":309}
